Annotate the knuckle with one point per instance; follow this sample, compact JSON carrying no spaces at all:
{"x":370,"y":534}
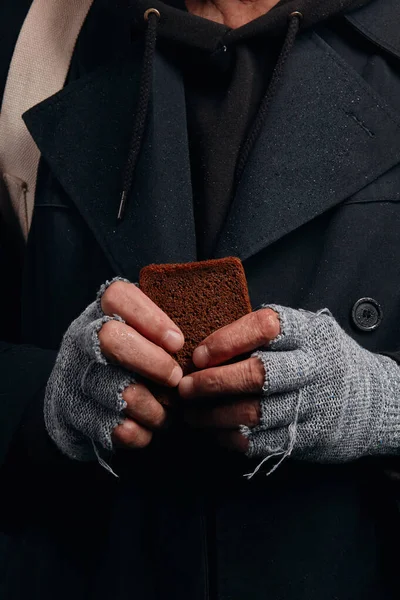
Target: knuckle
{"x":118,"y":435}
{"x":206,"y":382}
{"x":142,"y":441}
{"x":130,"y":396}
{"x":140,"y":402}
{"x":258,"y":372}
{"x":131,"y":435}
{"x":111,"y":298}
{"x":253,"y":375}
{"x":252,"y":414}
{"x":108,"y":332}
{"x":214,"y":383}
{"x":232,"y":339}
{"x":171,"y":371}
{"x":222,"y":338}
{"x":160,"y":321}
{"x":159,"y":417}
{"x":268,"y":324}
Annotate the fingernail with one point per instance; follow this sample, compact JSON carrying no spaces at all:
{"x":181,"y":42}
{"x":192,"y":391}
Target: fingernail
{"x":186,"y":386}
{"x":201,"y":357}
{"x":172,"y":341}
{"x":176,"y":376}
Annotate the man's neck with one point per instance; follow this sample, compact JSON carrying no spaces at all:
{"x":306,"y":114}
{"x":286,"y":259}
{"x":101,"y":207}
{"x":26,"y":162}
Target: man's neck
{"x":232,"y":13}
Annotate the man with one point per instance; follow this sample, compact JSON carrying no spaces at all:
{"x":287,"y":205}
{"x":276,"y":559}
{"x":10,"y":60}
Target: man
{"x":264,"y":130}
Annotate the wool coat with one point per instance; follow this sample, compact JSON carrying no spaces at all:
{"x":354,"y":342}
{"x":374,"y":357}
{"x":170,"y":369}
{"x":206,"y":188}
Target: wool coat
{"x":316,"y":222}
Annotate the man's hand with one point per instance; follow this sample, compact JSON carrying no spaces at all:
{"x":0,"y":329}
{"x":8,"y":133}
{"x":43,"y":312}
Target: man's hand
{"x":310,"y":391}
{"x":139,"y":345}
{"x":93,"y":398}
{"x":235,"y":387}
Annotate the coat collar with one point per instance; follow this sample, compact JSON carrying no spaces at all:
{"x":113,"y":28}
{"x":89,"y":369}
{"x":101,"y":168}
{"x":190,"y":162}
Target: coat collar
{"x":327,"y":135}
{"x":84,"y":133}
{"x":379,"y":22}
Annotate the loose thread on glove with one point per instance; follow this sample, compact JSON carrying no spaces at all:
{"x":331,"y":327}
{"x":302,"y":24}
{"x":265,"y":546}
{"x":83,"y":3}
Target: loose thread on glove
{"x":102,"y":462}
{"x":324,"y":311}
{"x":292,"y":434}
{"x":292,"y":429}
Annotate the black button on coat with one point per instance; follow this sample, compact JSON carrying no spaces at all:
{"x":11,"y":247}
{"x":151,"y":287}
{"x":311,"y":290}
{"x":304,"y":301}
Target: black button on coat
{"x":367,"y":314}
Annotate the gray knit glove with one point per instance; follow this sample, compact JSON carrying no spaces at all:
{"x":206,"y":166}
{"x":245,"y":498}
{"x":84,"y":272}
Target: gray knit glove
{"x":325,"y":398}
{"x":83,"y":401}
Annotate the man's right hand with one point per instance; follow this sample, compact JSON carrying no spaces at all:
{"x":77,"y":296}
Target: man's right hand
{"x":93,"y":398}
{"x":139,"y":345}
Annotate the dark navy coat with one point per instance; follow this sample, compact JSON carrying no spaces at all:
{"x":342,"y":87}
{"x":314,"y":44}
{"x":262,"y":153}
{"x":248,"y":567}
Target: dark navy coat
{"x":316,"y":222}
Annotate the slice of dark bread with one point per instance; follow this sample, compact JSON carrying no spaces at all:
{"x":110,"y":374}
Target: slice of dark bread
{"x":199,"y":297}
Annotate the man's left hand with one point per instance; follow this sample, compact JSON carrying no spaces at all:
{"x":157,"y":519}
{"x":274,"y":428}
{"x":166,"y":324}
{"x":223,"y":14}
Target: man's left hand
{"x":309,"y":391}
{"x":236,"y":388}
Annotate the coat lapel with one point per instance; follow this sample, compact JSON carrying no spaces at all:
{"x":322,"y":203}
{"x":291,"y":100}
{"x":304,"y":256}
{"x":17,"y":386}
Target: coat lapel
{"x":84,"y":132}
{"x":379,"y":21}
{"x":327,"y":135}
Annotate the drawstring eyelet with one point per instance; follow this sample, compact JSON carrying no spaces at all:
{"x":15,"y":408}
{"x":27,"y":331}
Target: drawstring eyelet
{"x":151,"y":11}
{"x":297,"y":14}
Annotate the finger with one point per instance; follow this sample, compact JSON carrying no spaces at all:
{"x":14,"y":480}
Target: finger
{"x":279,"y":410}
{"x":131,"y":435}
{"x":306,"y":437}
{"x":233,"y":440}
{"x":268,"y":442}
{"x":245,"y":377}
{"x":286,"y":371}
{"x":122,"y":344}
{"x":92,"y":420}
{"x":104,"y":383}
{"x":244,"y":335}
{"x":142,"y":407}
{"x":311,"y":436}
{"x":293,"y":325}
{"x":230,"y":416}
{"x":130,"y":303}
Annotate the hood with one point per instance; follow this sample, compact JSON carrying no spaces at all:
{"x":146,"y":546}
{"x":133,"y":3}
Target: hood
{"x":170,"y":21}
{"x":177,"y":25}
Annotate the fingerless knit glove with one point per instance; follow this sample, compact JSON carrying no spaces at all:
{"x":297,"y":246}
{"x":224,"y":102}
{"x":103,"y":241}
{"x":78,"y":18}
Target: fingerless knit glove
{"x":325,"y":398}
{"x":83,"y":401}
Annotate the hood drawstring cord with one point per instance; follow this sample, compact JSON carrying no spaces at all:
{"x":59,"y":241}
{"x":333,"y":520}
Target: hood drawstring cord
{"x":292,"y":31}
{"x":152,"y":17}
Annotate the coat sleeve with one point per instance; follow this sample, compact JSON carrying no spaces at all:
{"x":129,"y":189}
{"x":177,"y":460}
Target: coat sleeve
{"x":24,"y":370}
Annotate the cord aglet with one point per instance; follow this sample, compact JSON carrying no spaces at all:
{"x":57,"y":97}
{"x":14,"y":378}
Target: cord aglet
{"x":122,"y":206}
